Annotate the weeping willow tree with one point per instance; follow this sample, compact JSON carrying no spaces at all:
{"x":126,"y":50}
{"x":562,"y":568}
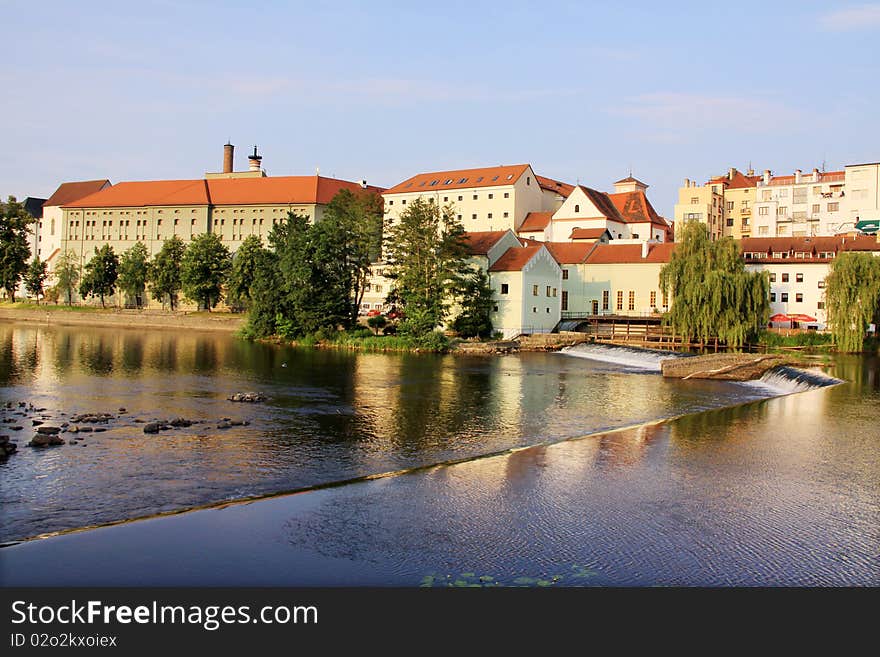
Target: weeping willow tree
{"x":852,"y":298}
{"x":712,"y":293}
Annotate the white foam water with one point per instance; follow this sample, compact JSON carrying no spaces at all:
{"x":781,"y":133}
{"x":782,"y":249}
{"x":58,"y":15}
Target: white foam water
{"x":642,"y":359}
{"x":785,"y":380}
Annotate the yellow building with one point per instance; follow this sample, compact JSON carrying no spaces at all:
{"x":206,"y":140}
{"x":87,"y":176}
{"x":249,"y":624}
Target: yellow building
{"x":724,"y":204}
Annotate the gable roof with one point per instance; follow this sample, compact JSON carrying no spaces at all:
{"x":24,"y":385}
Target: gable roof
{"x":286,"y":190}
{"x":554,"y":185}
{"x":514,"y":259}
{"x":145,"y":193}
{"x":73,"y":191}
{"x":635,"y":208}
{"x":587,"y":233}
{"x":535,"y":221}
{"x":739,"y":180}
{"x":568,"y":253}
{"x":435,"y":181}
{"x":480,"y":242}
{"x":610,"y":254}
{"x":630,"y":179}
{"x":603,"y":203}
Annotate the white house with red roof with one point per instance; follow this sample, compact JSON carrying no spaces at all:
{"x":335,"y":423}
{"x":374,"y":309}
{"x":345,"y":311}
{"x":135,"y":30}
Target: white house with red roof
{"x":526,"y":282}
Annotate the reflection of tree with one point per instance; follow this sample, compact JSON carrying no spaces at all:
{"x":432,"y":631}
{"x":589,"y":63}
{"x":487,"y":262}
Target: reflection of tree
{"x":96,"y":354}
{"x":132,"y":352}
{"x":205,"y":358}
{"x":700,"y":429}
{"x":9,"y":371}
{"x":63,"y":350}
{"x":861,"y":372}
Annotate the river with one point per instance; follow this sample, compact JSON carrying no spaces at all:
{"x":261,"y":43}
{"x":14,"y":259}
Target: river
{"x":745,"y":486}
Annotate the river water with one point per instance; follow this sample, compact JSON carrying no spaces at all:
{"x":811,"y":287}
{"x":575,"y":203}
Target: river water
{"x":784,"y":488}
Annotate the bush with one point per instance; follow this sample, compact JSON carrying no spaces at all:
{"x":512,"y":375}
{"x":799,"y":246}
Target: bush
{"x":377,"y":322}
{"x":805,"y":339}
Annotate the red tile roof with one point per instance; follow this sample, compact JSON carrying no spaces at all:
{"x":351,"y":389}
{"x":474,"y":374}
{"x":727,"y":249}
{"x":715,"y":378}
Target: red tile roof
{"x":587,"y":233}
{"x":567,"y":253}
{"x":535,"y":221}
{"x":826,"y":176}
{"x":607,"y":254}
{"x":739,"y":181}
{"x":603,"y":203}
{"x":629,"y":179}
{"x":635,"y":208}
{"x":479,"y":243}
{"x":437,"y":181}
{"x":286,"y":190}
{"x":514,"y":259}
{"x":554,"y":185}
{"x":73,"y":191}
{"x":811,"y":245}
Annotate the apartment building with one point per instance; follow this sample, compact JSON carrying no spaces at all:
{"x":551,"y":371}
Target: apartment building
{"x":798,"y":267}
{"x":800,"y":205}
{"x":861,"y":205}
{"x":738,"y":192}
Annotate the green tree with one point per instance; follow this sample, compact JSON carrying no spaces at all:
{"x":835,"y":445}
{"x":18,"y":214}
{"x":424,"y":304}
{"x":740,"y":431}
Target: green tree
{"x":712,"y":293}
{"x":67,"y":274}
{"x":269,"y":304}
{"x":351,"y":229}
{"x":426,"y":253}
{"x":377,"y":323}
{"x":101,"y":273}
{"x":204,"y":270}
{"x":14,"y":250}
{"x":134,"y":269}
{"x":164,"y":271}
{"x":245,"y":269}
{"x":475,"y":318}
{"x":852,"y":298}
{"x":35,"y":278}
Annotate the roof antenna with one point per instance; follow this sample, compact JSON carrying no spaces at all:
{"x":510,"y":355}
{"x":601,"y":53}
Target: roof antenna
{"x":317,"y":171}
{"x":630,"y":171}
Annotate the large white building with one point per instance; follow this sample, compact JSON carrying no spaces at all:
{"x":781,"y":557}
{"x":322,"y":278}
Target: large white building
{"x":798,"y":267}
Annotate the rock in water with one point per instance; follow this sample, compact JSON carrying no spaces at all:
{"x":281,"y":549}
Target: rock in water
{"x":49,"y":431}
{"x":44,"y":440}
{"x":180,"y":422}
{"x":152,"y":427}
{"x":247,"y":397}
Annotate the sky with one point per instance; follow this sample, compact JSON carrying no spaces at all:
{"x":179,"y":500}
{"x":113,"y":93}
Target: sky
{"x":583,"y":91}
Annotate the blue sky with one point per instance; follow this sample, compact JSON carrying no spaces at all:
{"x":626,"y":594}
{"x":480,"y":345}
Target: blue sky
{"x":582,"y":91}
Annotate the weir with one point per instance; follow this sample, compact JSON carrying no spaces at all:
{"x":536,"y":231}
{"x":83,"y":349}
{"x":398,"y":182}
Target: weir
{"x":634,"y":357}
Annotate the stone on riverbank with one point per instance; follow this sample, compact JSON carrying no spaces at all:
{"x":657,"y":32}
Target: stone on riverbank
{"x":152,"y":427}
{"x":45,"y":440}
{"x":49,"y":431}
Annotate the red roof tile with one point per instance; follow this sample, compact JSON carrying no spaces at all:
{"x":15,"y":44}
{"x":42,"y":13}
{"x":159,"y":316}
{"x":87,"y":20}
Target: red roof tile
{"x":73,"y":191}
{"x":739,"y":181}
{"x":812,"y":245}
{"x":535,"y":221}
{"x":554,"y":185}
{"x":603,"y":203}
{"x":480,"y":242}
{"x":567,"y":253}
{"x":514,"y":259}
{"x":607,"y":254}
{"x":587,"y":233}
{"x":635,"y":208}
{"x":437,"y":181}
{"x":286,"y":190}
{"x":629,"y":179}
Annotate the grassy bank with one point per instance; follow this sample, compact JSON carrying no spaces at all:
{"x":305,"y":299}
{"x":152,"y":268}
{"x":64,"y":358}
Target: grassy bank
{"x":362,"y":339}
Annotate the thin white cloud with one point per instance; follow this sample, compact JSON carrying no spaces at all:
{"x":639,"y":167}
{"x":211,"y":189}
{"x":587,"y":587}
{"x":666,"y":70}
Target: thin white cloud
{"x":667,"y":114}
{"x":862,"y":17}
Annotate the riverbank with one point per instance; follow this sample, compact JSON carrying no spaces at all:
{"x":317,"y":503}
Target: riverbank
{"x":121,"y":318}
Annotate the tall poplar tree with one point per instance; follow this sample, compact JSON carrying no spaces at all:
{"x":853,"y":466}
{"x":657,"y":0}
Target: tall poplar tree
{"x":712,"y":294}
{"x":852,"y":298}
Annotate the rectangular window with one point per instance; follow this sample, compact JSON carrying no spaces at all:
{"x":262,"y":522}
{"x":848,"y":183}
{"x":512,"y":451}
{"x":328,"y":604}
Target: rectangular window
{"x":833,"y":207}
{"x":565,"y":299}
{"x":534,"y":290}
{"x":605,"y":301}
{"x":473,"y":216}
{"x":653,"y":298}
{"x":785,"y":278}
{"x":461,"y":198}
{"x":773,"y":297}
{"x":548,"y":291}
{"x":783,"y":193}
{"x":491,"y":196}
{"x":695,"y":200}
{"x":766,"y":195}
{"x":445,"y":199}
{"x":506,"y":194}
{"x":565,"y":274}
{"x":773,"y":277}
{"x":730,"y":205}
{"x":815,"y":208}
{"x":799,"y":195}
{"x":784,"y":297}
{"x":798,"y":278}
{"x":799,"y":298}
{"x":620,"y":299}
{"x":781,"y":211}
{"x":763,"y":211}
{"x":820,"y":305}
{"x":475,"y":197}
{"x":822,"y":285}
{"x":632,"y":300}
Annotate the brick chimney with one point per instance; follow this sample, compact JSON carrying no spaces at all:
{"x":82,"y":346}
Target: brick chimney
{"x":228,"y":151}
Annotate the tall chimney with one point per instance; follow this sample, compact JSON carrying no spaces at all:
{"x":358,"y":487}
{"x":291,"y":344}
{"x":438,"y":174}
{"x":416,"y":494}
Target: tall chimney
{"x":228,"y":151}
{"x":730,"y":173}
{"x":766,"y":176}
{"x":751,"y":172}
{"x":815,"y":174}
{"x":645,"y":249}
{"x":687,"y":182}
{"x":254,"y":160}
{"x":798,"y":176}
